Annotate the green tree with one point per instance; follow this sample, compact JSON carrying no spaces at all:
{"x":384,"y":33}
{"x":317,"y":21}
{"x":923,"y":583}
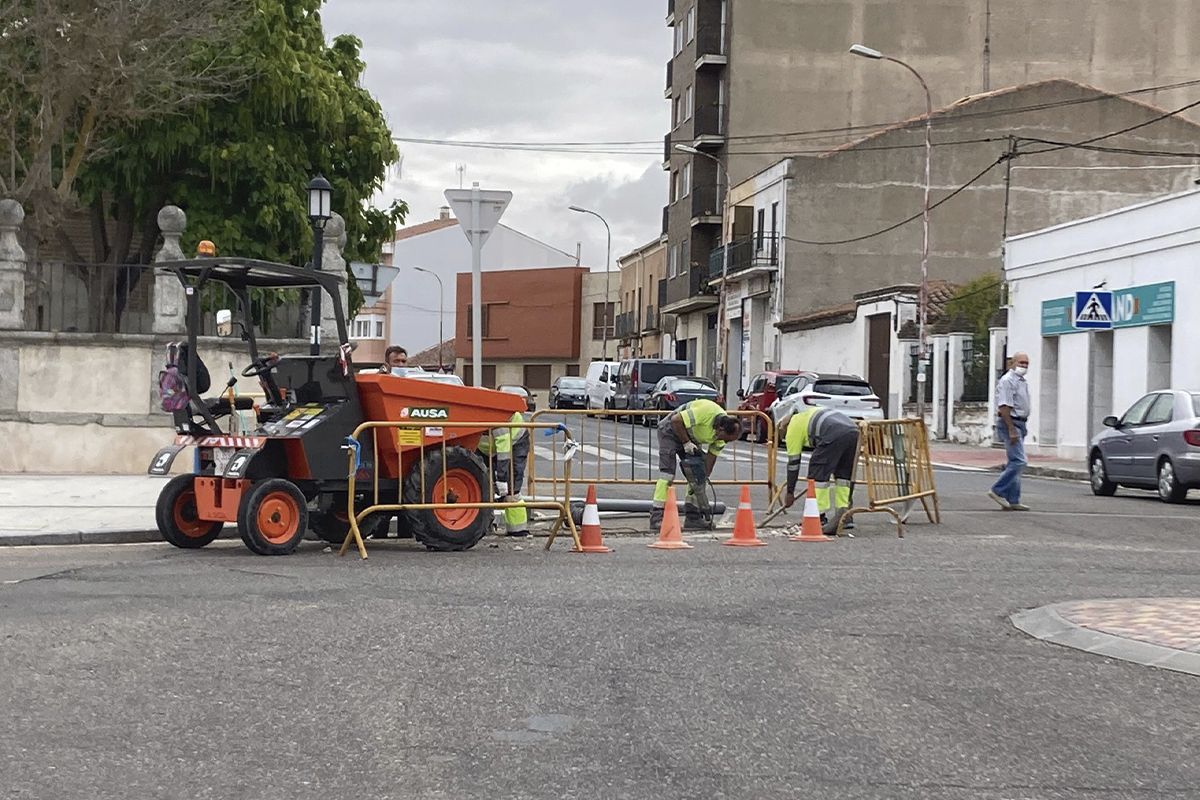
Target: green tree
{"x":978,"y":302}
{"x":238,"y":165}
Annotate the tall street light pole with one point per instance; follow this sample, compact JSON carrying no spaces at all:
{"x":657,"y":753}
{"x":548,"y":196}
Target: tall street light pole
{"x":607,"y":279}
{"x":320,"y":198}
{"x":923,"y":297}
{"x":722,"y":334}
{"x":441,"y":314}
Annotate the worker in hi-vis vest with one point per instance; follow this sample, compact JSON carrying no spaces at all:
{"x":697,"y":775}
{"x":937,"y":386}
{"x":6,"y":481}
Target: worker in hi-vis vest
{"x":700,"y":423}
{"x":833,"y":437}
{"x":509,"y":449}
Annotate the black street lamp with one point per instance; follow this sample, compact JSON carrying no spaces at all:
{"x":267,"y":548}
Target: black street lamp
{"x":320,"y":197}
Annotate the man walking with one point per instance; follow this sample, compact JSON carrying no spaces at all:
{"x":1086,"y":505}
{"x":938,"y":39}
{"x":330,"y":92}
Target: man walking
{"x":833,"y":437}
{"x":1012,"y":415}
{"x":700,"y":423}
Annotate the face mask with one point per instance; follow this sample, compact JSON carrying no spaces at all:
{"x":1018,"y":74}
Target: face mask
{"x":1021,"y":370}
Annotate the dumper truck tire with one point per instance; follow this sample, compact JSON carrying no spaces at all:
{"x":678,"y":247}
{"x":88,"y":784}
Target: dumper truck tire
{"x":273,"y":517}
{"x":175,"y":513}
{"x":462,"y":479}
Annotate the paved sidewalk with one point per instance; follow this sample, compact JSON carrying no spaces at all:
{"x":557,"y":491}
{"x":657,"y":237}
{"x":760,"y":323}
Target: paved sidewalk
{"x":992,"y":459}
{"x":61,"y":509}
{"x":1155,"y":632}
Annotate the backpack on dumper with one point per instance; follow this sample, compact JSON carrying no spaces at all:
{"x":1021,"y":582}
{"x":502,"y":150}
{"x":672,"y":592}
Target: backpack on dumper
{"x":172,"y":387}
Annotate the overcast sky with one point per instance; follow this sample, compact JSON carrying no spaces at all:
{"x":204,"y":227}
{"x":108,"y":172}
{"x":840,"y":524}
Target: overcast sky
{"x":527,"y":70}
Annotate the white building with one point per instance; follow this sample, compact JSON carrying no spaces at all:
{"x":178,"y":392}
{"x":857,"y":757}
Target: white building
{"x":1148,"y":256}
{"x":410,"y":308}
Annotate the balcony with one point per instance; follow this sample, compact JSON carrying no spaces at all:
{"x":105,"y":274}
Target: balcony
{"x":667,"y":151}
{"x":662,"y":293}
{"x":710,"y":46}
{"x":666,"y":219}
{"x":708,"y":126}
{"x":670,"y":81}
{"x":626,"y":325}
{"x":706,"y":205}
{"x":688,"y":292}
{"x":650,"y":321}
{"x":670,"y":13}
{"x":752,"y":255}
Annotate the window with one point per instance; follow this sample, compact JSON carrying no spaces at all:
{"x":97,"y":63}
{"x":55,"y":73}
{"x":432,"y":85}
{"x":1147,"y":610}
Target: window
{"x":1162,"y":410}
{"x":573,"y":370}
{"x":758,"y":236}
{"x":1138,"y":410}
{"x":676,"y":111}
{"x":378,"y":329}
{"x":483,"y":316}
{"x":537,"y":376}
{"x":774,"y":227}
{"x":689,"y":103}
{"x":689,"y":25}
{"x":602,"y":320}
{"x":366,"y":328}
{"x":489,"y":375}
{"x":675,"y":195}
{"x":684,"y":254}
{"x":673,"y":261}
{"x":686,"y":180}
{"x":679,"y":38}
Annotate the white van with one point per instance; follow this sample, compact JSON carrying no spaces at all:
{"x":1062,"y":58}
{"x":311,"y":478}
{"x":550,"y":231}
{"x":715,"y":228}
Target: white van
{"x":599,"y":383}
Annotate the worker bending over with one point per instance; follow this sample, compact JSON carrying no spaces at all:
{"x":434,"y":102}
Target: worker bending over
{"x":700,"y":423}
{"x":833,"y":437}
{"x":509,"y":449}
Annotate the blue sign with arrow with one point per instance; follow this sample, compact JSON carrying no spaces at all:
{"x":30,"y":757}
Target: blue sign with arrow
{"x":1093,"y":310}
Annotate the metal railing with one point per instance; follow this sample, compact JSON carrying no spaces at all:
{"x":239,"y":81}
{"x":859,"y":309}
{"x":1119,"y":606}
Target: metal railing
{"x":709,"y":120}
{"x":706,"y":201}
{"x":976,"y":372}
{"x":710,"y":39}
{"x":666,"y":151}
{"x":629,"y":456}
{"x":626,"y":325}
{"x":670,"y":73}
{"x":358,"y":513}
{"x":89,"y":298}
{"x":753,"y":252}
{"x":650,"y":321}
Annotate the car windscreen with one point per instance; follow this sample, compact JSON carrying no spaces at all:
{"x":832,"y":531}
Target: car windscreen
{"x":782,"y":382}
{"x":690,"y":386}
{"x":652,"y":372}
{"x":571,"y":383}
{"x":845,"y":388}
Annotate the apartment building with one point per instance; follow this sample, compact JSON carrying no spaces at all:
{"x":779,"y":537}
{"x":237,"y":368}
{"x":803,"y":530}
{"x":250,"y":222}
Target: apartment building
{"x":643,"y":290}
{"x":744,"y":74}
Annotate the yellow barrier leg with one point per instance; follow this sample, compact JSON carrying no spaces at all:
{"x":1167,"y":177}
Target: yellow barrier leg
{"x":356,"y":536}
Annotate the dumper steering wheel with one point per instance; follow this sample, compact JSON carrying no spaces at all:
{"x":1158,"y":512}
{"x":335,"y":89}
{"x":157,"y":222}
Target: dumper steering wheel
{"x":261,"y":367}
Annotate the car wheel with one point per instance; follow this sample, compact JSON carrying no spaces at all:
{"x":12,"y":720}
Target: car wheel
{"x":1098,"y":476}
{"x":1169,"y":488}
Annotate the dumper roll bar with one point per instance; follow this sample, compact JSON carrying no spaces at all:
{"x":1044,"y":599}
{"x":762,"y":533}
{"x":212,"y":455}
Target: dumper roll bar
{"x":241,"y":275}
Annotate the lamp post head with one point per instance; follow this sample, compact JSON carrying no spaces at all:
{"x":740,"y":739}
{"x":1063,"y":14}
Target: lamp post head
{"x":687,"y":148}
{"x":580,"y":210}
{"x":320,"y":200}
{"x":865,"y":52}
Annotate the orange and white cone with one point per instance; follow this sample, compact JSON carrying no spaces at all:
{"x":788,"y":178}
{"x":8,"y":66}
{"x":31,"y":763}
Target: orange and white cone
{"x":670,"y":533}
{"x":591,"y":538}
{"x":810,"y":529}
{"x":744,"y":534}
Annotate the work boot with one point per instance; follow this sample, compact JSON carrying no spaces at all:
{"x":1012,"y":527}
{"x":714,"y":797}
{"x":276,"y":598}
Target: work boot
{"x":656,"y":518}
{"x":694,"y":520}
{"x":829,"y":526}
{"x":518,"y":534}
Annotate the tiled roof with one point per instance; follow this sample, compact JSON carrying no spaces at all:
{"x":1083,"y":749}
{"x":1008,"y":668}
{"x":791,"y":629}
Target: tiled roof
{"x":424,"y":227}
{"x":940,"y":292}
{"x":429,"y":356}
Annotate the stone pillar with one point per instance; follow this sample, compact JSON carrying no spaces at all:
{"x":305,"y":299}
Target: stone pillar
{"x":332,"y":262}
{"x":12,"y":267}
{"x":170,"y":308}
{"x":997,"y":346}
{"x":939,"y":344}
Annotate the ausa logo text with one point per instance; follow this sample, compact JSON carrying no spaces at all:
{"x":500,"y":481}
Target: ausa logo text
{"x":425,"y":413}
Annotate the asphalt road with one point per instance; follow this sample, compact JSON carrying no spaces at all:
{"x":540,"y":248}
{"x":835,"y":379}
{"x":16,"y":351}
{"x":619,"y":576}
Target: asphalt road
{"x":863,"y":668}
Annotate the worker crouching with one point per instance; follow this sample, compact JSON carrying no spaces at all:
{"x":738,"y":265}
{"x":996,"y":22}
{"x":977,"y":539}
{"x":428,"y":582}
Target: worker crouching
{"x":509,"y":451}
{"x":698,"y":424}
{"x":833,"y":437}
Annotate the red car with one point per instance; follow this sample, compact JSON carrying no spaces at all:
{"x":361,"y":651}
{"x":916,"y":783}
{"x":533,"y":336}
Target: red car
{"x":763,"y":390}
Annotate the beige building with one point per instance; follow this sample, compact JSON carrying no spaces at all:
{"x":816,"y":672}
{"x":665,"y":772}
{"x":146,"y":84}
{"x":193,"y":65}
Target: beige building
{"x":752,"y":81}
{"x":643,"y":285}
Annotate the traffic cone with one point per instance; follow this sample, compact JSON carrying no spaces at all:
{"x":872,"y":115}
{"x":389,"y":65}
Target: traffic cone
{"x":670,"y":534}
{"x":744,"y":534}
{"x":810,"y":530}
{"x":591,"y":538}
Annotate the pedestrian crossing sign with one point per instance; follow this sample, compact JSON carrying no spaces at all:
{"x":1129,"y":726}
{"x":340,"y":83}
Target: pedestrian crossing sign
{"x":1093,"y":310}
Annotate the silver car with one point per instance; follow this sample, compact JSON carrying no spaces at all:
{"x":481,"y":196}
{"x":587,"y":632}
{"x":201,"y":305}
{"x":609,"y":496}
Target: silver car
{"x":849,"y":394}
{"x":1154,"y":445}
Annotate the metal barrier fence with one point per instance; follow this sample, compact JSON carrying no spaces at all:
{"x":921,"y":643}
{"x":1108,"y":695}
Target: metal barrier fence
{"x":596,"y":439}
{"x":895,"y":467}
{"x":411,"y":444}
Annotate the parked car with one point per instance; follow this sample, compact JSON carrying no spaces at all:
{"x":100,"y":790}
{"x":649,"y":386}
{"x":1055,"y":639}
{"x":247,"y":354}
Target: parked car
{"x":764,"y":390}
{"x":672,"y":392}
{"x":512,"y":388}
{"x":1153,"y":445}
{"x":637,"y":377}
{"x":849,"y":394}
{"x":599,"y":382}
{"x":569,"y":391}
